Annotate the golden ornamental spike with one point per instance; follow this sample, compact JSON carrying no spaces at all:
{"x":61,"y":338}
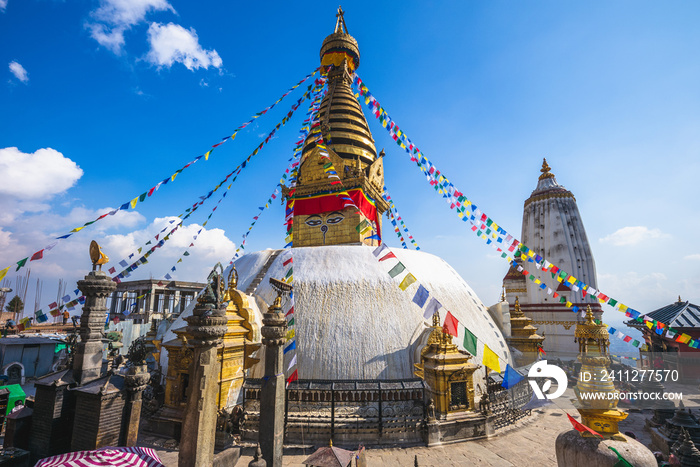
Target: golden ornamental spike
{"x":545,"y":170}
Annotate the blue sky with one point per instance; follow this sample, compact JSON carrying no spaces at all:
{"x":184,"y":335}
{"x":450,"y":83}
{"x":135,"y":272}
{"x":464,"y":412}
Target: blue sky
{"x":121,"y":93}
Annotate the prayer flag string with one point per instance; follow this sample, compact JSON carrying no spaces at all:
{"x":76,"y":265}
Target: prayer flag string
{"x":395,"y":218}
{"x":482,"y":224}
{"x":148,"y":193}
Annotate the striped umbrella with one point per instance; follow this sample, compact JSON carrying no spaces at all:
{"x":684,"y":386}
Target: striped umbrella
{"x":105,"y":457}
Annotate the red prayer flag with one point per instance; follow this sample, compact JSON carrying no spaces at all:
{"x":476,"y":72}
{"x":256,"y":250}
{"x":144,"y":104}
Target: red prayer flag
{"x":293,"y":377}
{"x":38,"y":255}
{"x":291,"y":311}
{"x":450,"y":326}
{"x":53,"y":305}
{"x":287,"y":262}
{"x":112,"y":270}
{"x":627,"y":338}
{"x":581,"y":427}
{"x":387,"y":256}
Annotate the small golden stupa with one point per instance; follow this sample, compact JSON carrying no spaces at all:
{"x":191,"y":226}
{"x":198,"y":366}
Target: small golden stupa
{"x":447,"y":373}
{"x":598,"y":408}
{"x":523,"y":336}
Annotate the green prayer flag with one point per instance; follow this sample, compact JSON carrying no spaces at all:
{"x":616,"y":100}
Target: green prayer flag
{"x":469,"y":341}
{"x":289,"y":273}
{"x":327,"y":165}
{"x":143,"y":197}
{"x":635,"y":343}
{"x":21,"y":263}
{"x":187,"y":253}
{"x":612,"y":302}
{"x":291,"y":322}
{"x":621,"y":461}
{"x":396,"y":270}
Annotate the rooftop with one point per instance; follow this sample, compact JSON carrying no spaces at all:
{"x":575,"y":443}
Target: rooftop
{"x":678,"y":315}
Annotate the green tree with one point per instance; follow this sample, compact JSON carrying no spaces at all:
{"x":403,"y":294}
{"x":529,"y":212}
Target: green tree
{"x":15,"y":306}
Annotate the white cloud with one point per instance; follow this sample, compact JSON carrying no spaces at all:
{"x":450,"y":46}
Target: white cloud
{"x":695,"y":257}
{"x":3,"y":5}
{"x":210,"y":247}
{"x":37,"y":175}
{"x":19,"y":71}
{"x":114,"y":17}
{"x":629,"y":236}
{"x":171,"y":43}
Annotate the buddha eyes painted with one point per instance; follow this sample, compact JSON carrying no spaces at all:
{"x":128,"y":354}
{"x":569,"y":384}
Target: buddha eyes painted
{"x":332,"y":218}
{"x":313,"y":221}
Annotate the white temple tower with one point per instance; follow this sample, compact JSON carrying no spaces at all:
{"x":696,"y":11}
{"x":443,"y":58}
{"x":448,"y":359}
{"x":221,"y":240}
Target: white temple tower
{"x":553,"y":229}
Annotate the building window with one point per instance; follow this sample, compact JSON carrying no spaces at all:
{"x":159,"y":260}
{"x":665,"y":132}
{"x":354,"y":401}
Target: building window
{"x":458,"y":396}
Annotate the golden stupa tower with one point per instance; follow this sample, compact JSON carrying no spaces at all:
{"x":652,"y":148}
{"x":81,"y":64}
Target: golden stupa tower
{"x":598,"y":408}
{"x":320,"y":216}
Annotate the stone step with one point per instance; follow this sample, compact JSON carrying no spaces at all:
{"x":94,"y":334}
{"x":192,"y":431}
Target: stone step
{"x":261,"y":275}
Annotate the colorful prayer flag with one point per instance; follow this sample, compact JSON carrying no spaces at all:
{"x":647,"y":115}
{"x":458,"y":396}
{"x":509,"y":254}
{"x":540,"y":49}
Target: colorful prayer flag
{"x":396,"y":270}
{"x":421,"y":296}
{"x":38,"y":255}
{"x":580,"y":427}
{"x":432,"y":308}
{"x":408,"y":280}
{"x":387,"y":256}
{"x":450,"y":325}
{"x":490,"y":359}
{"x":469,"y":342}
{"x":511,"y":377}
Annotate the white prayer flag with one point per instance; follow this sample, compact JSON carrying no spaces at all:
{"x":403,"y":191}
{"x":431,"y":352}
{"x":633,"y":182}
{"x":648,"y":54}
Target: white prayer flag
{"x":432,"y":308}
{"x":292,"y":362}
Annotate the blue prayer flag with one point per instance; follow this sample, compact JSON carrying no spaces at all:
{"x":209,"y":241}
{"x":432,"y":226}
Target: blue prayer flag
{"x":511,"y":377}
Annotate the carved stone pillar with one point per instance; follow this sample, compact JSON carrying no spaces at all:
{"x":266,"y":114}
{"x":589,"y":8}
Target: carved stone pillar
{"x":272,"y":394}
{"x":136,"y":380}
{"x":207,"y":326}
{"x":87,"y":364}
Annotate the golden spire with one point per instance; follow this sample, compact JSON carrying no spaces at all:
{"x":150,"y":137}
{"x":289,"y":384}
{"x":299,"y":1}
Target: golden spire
{"x":340,"y":21}
{"x":598,"y":413}
{"x":517,"y":312}
{"x":679,"y":299}
{"x":546,"y":170}
{"x":503,"y":294}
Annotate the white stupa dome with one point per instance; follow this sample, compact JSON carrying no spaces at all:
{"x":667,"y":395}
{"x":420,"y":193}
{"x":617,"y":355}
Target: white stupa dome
{"x":351,"y":319}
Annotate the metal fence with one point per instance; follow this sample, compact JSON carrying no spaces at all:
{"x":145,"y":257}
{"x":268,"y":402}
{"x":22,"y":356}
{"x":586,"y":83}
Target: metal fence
{"x":381,"y":412}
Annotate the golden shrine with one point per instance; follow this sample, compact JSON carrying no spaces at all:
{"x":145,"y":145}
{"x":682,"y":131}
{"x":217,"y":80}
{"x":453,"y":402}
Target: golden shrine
{"x":447,"y":372}
{"x":598,"y":413}
{"x":523,"y":336}
{"x":320,"y":216}
{"x":234,"y":358}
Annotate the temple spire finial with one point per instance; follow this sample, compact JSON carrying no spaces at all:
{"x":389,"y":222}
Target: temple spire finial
{"x":340,"y":25}
{"x":545,"y":170}
{"x":679,"y":299}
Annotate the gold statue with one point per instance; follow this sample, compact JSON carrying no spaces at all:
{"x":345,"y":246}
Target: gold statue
{"x":97,"y":256}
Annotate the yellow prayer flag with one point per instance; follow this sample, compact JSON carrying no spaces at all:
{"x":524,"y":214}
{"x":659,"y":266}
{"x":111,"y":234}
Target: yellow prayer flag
{"x":408,"y":280}
{"x":571,"y":279}
{"x":568,"y":304}
{"x":290,"y":334}
{"x":133,"y":202}
{"x":78,"y":229}
{"x":537,"y":281}
{"x":172,"y":177}
{"x":233,"y":136}
{"x":684,"y":338}
{"x":650,"y":324}
{"x":558,"y":279}
{"x":3,"y":272}
{"x":204,"y":223}
{"x":206,"y":155}
{"x":623,"y":308}
{"x":490,"y":359}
